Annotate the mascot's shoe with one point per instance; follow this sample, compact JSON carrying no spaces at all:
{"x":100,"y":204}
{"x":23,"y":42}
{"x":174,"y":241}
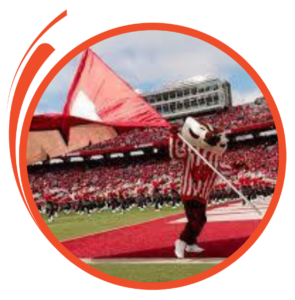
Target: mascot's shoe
{"x":179,"y":248}
{"x":193,"y":249}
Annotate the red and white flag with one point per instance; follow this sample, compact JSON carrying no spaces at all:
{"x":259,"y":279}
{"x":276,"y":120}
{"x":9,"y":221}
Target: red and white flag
{"x":98,"y":94}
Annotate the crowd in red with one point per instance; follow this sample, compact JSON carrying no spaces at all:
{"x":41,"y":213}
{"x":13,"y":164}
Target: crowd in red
{"x":239,"y":116}
{"x":260,"y":162}
{"x":105,"y":180}
{"x":258,"y":157}
{"x":137,"y":177}
{"x":131,"y":177}
{"x":232,"y":118}
{"x":132,"y":138}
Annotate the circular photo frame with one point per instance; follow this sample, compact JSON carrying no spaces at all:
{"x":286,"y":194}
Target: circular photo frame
{"x":39,"y":55}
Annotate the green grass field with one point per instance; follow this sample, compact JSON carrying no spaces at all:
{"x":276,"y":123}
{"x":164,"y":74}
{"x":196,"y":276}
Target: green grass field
{"x":70,"y":226}
{"x":73,"y":225}
{"x":152,"y":272}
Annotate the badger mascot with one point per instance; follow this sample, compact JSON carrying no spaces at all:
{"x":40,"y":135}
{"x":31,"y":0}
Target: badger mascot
{"x":198,"y":177}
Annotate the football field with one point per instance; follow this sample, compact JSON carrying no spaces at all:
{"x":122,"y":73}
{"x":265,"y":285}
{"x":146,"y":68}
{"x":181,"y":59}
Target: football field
{"x":138,"y":245}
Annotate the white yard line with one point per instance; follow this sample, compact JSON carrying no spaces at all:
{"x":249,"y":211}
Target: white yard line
{"x":235,"y":212}
{"x":154,"y":261}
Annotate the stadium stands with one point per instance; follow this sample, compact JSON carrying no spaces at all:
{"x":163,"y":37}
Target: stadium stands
{"x":104,"y":180}
{"x":239,"y":116}
{"x":234,"y":118}
{"x":135,"y":137}
{"x":148,"y":177}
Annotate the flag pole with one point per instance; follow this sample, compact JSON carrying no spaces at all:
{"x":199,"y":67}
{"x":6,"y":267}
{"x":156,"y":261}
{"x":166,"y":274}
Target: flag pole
{"x":219,"y":174}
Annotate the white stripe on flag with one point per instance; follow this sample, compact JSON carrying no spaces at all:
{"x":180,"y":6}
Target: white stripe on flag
{"x":83,"y":107}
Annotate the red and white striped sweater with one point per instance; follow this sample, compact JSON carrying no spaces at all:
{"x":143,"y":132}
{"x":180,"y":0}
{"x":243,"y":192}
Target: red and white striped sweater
{"x":198,"y":179}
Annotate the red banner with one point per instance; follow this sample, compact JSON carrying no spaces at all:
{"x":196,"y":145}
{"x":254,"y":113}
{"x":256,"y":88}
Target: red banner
{"x":97,"y":93}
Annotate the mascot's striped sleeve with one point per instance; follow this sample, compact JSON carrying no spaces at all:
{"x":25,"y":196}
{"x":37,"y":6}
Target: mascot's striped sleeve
{"x":198,"y":179}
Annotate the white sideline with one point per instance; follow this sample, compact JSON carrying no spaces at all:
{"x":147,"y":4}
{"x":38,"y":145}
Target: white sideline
{"x":153,"y":261}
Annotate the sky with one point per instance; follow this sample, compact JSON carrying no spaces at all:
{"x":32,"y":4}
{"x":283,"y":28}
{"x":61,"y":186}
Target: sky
{"x":148,"y":60}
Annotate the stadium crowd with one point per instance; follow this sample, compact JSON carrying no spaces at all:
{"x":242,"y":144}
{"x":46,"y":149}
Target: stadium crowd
{"x":132,"y":138}
{"x":232,"y":118}
{"x":239,"y":116}
{"x":122,"y":183}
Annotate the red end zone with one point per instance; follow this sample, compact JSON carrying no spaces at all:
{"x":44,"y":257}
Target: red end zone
{"x":227,"y":229}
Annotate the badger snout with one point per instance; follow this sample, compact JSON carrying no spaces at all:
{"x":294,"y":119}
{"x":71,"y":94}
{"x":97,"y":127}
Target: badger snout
{"x":212,"y":139}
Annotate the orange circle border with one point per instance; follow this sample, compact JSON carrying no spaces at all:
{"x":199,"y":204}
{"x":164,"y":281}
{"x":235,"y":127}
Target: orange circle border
{"x":162,"y":27}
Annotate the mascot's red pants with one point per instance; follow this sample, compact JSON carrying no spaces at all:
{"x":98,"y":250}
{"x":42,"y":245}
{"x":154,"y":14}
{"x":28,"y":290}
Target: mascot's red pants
{"x":196,"y":215}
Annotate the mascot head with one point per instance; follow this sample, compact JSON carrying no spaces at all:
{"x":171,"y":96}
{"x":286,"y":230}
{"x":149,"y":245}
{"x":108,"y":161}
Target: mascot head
{"x":204,"y":136}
